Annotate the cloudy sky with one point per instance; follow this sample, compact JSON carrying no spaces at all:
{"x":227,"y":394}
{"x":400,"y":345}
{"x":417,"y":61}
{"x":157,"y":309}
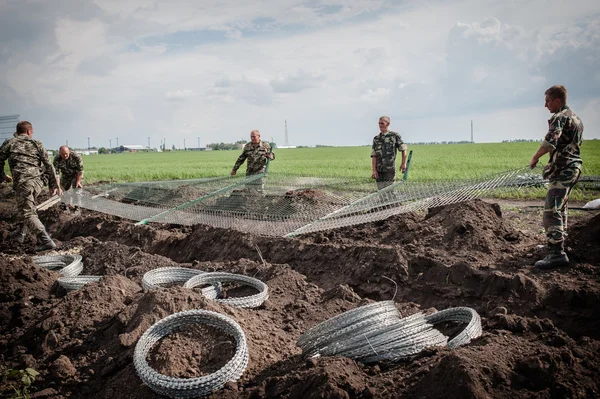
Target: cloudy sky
{"x":212,"y":69}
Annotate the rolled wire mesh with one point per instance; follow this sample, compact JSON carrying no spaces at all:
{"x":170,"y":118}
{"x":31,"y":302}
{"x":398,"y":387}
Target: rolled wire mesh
{"x":250,"y":301}
{"x":176,"y":275}
{"x":190,"y":387}
{"x":69,"y":265}
{"x":281,"y":205}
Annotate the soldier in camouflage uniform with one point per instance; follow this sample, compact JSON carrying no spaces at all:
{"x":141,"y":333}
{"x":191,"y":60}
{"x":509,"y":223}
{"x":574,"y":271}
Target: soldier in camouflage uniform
{"x":70,"y":167}
{"x":255,"y":153}
{"x":383,"y":154}
{"x":564,"y":137}
{"x":25,"y":158}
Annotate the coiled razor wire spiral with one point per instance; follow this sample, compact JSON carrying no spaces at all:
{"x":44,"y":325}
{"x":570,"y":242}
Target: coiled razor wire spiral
{"x":176,"y":275}
{"x":251,"y":301}
{"x":376,"y":333}
{"x":190,"y":387}
{"x":70,"y":266}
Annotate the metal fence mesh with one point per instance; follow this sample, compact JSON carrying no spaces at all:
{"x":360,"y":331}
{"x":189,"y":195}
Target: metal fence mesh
{"x":282,"y":205}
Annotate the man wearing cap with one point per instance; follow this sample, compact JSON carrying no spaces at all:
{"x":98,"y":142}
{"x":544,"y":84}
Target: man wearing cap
{"x":383,"y":154}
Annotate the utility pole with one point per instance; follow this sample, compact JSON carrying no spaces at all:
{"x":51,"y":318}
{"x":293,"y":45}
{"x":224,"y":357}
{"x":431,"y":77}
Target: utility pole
{"x":198,"y":143}
{"x":472,"y":132}
{"x":110,"y":145}
{"x":287,"y":141}
{"x":117,"y":142}
{"x":184,"y":144}
{"x":88,"y":144}
{"x":67,"y":143}
{"x":148,"y":143}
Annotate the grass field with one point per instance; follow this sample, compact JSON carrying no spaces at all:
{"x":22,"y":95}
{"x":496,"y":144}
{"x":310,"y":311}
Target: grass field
{"x":429,"y":162}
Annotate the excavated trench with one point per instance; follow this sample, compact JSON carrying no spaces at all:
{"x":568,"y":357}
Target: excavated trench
{"x":540,"y":336}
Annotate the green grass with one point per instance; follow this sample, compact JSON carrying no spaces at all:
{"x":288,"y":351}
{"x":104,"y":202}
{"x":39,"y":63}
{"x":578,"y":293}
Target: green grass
{"x":429,"y":162}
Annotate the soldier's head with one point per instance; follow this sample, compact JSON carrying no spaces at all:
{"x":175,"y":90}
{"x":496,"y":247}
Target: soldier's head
{"x":24,"y":127}
{"x":556,"y":97}
{"x":64,"y":152}
{"x":384,"y":122}
{"x":255,"y":137}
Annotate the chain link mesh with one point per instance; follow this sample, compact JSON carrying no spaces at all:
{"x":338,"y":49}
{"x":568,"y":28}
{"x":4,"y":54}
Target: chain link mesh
{"x":282,"y":205}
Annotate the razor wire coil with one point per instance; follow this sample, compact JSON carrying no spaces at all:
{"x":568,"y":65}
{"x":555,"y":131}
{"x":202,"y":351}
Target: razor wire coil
{"x":190,"y":387}
{"x":69,"y":265}
{"x":161,"y":276}
{"x":77,"y":282}
{"x":251,"y":301}
{"x":369,"y":335}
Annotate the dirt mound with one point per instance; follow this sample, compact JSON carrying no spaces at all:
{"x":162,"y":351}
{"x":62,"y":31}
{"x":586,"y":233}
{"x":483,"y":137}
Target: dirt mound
{"x":540,"y":327}
{"x":24,"y":291}
{"x":583,"y":242}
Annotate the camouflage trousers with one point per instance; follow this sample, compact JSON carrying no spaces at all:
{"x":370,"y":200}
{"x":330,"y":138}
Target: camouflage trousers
{"x":386,"y":178}
{"x":26,"y":192}
{"x":555,"y":208}
{"x":257,"y":186}
{"x":68,"y":181}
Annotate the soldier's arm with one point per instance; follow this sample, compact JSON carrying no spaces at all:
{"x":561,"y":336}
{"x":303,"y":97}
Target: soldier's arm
{"x":270,"y":154}
{"x":549,"y":142}
{"x":53,"y":181}
{"x":402,"y":147}
{"x":79,"y":169}
{"x":374,"y":160}
{"x":3,"y":158}
{"x":239,"y":161}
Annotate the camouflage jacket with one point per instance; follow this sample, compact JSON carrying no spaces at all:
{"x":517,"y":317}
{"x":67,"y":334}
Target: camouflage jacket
{"x":27,"y":159}
{"x":385,"y":146}
{"x":255,"y":157}
{"x":564,"y":137}
{"x":68,"y":167}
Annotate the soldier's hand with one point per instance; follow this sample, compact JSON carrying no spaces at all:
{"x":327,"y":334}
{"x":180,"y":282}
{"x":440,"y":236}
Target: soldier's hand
{"x":374,"y":175}
{"x":78,"y":185}
{"x":52,"y":192}
{"x":403,"y":168}
{"x":270,"y":156}
{"x":533,"y":162}
{"x":233,"y":172}
{"x":8,"y":178}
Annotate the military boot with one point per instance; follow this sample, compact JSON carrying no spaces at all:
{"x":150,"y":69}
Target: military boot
{"x":45,"y":241}
{"x":556,"y":257}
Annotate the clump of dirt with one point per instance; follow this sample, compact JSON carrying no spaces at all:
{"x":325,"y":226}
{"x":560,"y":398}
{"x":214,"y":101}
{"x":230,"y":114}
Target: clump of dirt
{"x":25,"y":290}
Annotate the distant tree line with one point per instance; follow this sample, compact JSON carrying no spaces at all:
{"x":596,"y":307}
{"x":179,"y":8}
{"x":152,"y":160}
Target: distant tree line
{"x":227,"y":146}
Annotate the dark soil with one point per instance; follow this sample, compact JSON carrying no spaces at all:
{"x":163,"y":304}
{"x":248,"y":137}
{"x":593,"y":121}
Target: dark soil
{"x":541,"y":328}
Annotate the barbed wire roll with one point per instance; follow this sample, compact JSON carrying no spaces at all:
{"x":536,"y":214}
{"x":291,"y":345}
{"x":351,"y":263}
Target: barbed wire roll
{"x":77,"y":282}
{"x":251,"y":301}
{"x":176,"y":275}
{"x":351,"y":317}
{"x":190,"y":387}
{"x":461,"y":315}
{"x":70,"y":265}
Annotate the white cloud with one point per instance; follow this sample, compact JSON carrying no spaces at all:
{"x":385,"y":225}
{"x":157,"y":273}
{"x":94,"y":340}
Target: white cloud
{"x":185,"y":69}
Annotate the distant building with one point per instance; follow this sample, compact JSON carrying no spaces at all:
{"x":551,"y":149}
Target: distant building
{"x":135,"y":148}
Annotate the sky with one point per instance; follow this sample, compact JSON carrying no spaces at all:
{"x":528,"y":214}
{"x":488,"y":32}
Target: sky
{"x":139,"y":70}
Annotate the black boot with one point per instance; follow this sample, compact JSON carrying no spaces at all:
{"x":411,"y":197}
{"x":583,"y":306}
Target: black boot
{"x":45,"y":241}
{"x":556,"y":257}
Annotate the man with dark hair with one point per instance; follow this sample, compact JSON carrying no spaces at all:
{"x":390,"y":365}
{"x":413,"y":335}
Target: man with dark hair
{"x":383,"y":154}
{"x":25,"y":158}
{"x":563,"y":140}
{"x":70,"y":166}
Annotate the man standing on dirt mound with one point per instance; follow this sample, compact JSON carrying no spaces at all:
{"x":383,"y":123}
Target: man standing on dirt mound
{"x":25,"y":157}
{"x":70,"y":167}
{"x":383,"y":154}
{"x":255,"y":153}
{"x":564,"y":137}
